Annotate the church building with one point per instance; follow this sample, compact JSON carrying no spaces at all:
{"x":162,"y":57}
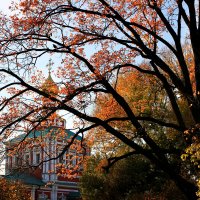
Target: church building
{"x":36,"y":161}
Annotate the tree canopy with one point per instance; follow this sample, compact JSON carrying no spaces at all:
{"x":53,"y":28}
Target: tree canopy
{"x":93,"y":44}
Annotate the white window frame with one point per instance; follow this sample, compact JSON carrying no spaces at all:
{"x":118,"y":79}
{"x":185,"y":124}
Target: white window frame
{"x":27,"y":162}
{"x":71,"y":162}
{"x":35,"y":157}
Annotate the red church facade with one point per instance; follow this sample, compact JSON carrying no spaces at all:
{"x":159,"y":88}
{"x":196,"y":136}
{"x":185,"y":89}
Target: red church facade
{"x":36,"y":162}
{"x":45,"y":179}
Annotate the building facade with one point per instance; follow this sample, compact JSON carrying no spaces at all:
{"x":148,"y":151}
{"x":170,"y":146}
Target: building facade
{"x":40,"y":162}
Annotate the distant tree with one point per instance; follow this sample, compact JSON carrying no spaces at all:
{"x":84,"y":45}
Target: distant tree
{"x":132,"y":178}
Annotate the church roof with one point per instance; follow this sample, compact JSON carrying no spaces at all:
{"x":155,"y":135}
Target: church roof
{"x":25,"y":178}
{"x":53,"y":131}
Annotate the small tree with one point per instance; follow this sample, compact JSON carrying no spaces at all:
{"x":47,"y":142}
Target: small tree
{"x":13,"y":190}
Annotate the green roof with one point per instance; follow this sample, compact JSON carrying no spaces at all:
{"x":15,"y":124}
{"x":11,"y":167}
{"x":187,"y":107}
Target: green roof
{"x":74,"y":195}
{"x":25,"y":178}
{"x":72,"y":184}
{"x":43,"y":133}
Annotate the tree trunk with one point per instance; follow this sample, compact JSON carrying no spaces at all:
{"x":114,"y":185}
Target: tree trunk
{"x":188,"y":188}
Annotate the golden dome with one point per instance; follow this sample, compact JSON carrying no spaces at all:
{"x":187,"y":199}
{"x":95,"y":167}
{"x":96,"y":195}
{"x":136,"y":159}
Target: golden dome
{"x":49,"y":86}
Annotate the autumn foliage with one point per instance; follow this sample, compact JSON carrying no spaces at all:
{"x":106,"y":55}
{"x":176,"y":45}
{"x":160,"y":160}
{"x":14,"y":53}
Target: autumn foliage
{"x":13,"y":190}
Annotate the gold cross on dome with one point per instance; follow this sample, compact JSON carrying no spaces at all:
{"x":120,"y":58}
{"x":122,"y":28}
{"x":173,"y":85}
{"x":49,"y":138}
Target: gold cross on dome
{"x":49,"y":65}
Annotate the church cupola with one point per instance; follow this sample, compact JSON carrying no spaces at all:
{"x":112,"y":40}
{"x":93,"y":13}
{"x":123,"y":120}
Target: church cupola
{"x":49,"y":86}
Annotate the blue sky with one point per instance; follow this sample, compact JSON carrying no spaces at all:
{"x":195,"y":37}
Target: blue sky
{"x":5,"y":5}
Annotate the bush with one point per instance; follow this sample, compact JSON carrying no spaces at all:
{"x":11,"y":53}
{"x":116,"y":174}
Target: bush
{"x":13,"y":190}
